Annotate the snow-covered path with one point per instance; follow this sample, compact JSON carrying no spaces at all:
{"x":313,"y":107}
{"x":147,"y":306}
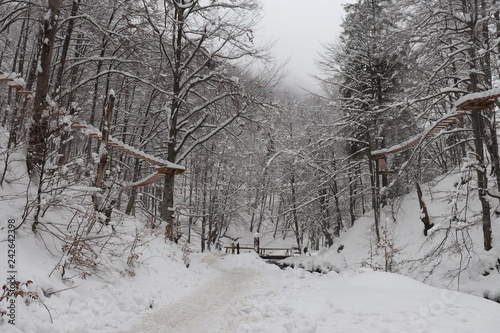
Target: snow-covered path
{"x":243,"y":294}
{"x":215,"y":301}
{"x":192,"y":313}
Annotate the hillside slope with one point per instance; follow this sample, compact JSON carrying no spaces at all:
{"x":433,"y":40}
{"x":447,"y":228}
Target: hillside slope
{"x":451,"y":257}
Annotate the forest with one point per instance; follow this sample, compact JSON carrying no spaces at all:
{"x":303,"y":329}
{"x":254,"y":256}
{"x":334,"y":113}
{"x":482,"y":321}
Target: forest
{"x":181,"y":90}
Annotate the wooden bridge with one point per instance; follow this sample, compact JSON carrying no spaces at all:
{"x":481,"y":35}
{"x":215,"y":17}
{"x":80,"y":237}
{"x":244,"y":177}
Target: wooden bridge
{"x":268,"y":253}
{"x":275,"y":253}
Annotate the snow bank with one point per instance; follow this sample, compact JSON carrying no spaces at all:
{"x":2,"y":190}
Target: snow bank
{"x":96,"y":303}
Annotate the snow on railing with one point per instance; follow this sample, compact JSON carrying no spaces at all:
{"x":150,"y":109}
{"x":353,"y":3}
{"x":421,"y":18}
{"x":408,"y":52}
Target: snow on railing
{"x":475,"y":101}
{"x":439,"y":125}
{"x":479,"y":99}
{"x":15,"y":81}
{"x":163,"y":168}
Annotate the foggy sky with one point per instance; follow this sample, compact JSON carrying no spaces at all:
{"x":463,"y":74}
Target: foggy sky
{"x":299,"y":28}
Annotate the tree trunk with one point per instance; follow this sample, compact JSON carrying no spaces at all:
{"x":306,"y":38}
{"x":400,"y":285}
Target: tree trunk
{"x":168,"y":192}
{"x":212,"y":207}
{"x":262,"y":210}
{"x":352,"y":200}
{"x":375,"y":189}
{"x":482,"y":179}
{"x":39,"y":129}
{"x":103,"y":161}
{"x":167,"y":211}
{"x":16,"y":121}
{"x":325,"y":216}
{"x":338,"y":215}
{"x":478,"y":129}
{"x":65,"y":47}
{"x":37,"y":145}
{"x":191,"y":210}
{"x":296,"y":224}
{"x":203,"y":222}
{"x":424,"y":215}
{"x":492,"y":139}
{"x":133,"y":192}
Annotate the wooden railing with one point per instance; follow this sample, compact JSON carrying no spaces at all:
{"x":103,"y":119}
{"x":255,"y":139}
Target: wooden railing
{"x":471,"y":102}
{"x":15,"y":81}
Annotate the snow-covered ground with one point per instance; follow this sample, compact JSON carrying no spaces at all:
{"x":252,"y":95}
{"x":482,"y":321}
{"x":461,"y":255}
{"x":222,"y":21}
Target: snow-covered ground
{"x":243,"y":294}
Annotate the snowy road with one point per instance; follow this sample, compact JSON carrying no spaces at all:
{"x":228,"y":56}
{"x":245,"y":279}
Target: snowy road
{"x":243,"y":294}
{"x":216,"y":301}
